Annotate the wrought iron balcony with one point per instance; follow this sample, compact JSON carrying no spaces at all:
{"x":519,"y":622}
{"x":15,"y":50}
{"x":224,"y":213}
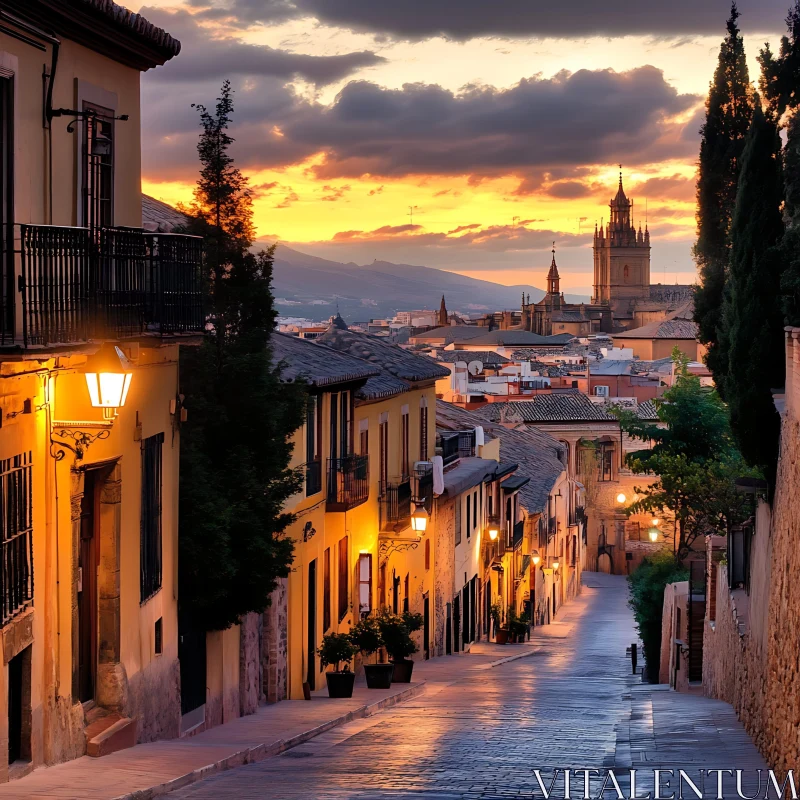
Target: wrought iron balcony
{"x":456,"y":444}
{"x":395,"y":507}
{"x":75,"y":285}
{"x":422,"y":486}
{"x":348,"y":482}
{"x":313,"y":477}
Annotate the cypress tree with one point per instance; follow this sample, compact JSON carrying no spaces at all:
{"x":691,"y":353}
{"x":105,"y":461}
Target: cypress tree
{"x":790,"y":246}
{"x":236,"y":444}
{"x":729,"y":109}
{"x":753,"y":318}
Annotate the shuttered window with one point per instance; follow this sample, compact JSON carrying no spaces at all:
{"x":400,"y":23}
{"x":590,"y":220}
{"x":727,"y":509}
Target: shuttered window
{"x":326,"y":590}
{"x":344,"y":589}
{"x":150,"y":522}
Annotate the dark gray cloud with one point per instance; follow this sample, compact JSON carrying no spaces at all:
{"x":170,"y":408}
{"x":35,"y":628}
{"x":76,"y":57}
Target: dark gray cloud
{"x":540,"y":127}
{"x":203,"y":57}
{"x":422,"y":19}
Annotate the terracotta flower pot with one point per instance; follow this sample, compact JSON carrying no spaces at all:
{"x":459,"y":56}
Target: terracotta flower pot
{"x":402,"y":671}
{"x":501,"y":636}
{"x":340,"y":684}
{"x":379,"y":676}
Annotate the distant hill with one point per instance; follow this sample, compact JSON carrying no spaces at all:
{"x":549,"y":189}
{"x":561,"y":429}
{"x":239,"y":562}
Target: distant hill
{"x":307,"y":286}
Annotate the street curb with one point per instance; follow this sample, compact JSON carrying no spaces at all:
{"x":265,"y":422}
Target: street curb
{"x":251,"y":755}
{"x":515,"y":657}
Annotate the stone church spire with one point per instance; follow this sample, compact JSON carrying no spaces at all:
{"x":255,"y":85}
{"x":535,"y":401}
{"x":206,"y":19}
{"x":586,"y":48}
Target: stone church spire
{"x":553,"y":278}
{"x":443,"y":313}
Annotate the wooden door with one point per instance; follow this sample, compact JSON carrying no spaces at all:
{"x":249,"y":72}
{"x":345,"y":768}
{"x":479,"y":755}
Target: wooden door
{"x":311,"y":632}
{"x":88,"y":562}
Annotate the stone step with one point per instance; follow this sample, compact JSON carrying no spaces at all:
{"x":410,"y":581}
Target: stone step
{"x":110,"y":733}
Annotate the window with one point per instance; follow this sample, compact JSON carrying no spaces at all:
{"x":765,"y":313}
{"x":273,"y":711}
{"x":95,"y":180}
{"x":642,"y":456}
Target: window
{"x":364,"y":584}
{"x":150,"y":522}
{"x":474,"y":510}
{"x":423,"y":430}
{"x":313,"y":460}
{"x":605,"y":463}
{"x":7,"y":289}
{"x":326,"y":589}
{"x":363,"y":438}
{"x":404,"y":465}
{"x":344,"y":423}
{"x":427,"y":554}
{"x":383,"y":442}
{"x":405,"y":593}
{"x":98,"y":168}
{"x":458,"y":521}
{"x":158,"y":637}
{"x":344,"y":589}
{"x":468,"y":506}
{"x":16,"y":513}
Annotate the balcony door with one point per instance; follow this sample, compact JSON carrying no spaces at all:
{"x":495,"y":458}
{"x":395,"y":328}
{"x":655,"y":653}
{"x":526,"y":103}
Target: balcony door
{"x":7,"y":294}
{"x":98,"y":168}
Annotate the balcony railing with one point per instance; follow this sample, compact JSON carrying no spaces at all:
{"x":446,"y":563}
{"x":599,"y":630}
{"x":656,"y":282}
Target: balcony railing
{"x":395,"y":508}
{"x":348,"y":482}
{"x":457,"y":444}
{"x":422,"y":486}
{"x":76,"y":286}
{"x":313,"y":477}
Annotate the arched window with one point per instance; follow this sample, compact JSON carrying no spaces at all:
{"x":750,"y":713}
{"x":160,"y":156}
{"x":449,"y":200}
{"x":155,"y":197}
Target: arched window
{"x":625,"y":273}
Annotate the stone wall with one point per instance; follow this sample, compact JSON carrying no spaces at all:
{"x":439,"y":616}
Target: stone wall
{"x":274,"y":645}
{"x":444,"y":526}
{"x":752,"y":648}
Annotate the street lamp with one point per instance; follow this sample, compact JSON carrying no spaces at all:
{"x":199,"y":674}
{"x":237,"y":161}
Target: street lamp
{"x":494,"y":530}
{"x":109,"y":381}
{"x":535,"y":557}
{"x":419,"y":519}
{"x":555,"y":565}
{"x":621,"y":498}
{"x":655,"y":522}
{"x":653,"y":534}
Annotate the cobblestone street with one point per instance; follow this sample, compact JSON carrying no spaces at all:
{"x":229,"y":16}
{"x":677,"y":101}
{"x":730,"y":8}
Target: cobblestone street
{"x":481,"y":733}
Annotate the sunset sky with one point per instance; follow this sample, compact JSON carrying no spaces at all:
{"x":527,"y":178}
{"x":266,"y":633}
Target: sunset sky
{"x":501,"y":123}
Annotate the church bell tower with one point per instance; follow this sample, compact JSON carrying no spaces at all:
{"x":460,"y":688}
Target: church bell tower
{"x":621,"y":257}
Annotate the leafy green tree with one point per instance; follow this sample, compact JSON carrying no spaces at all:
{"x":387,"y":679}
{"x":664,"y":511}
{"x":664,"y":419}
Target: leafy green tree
{"x":236,"y":445}
{"x":647,"y":584}
{"x":693,"y":458}
{"x":729,"y":109}
{"x":752,"y":315}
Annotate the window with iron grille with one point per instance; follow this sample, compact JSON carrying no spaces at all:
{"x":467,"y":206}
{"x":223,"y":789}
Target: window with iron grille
{"x":344,"y":584}
{"x":98,"y":168}
{"x":16,"y":512}
{"x":150,"y":524}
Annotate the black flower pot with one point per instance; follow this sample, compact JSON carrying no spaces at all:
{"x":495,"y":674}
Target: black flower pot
{"x":379,"y":676}
{"x":402,"y":671}
{"x":340,"y":684}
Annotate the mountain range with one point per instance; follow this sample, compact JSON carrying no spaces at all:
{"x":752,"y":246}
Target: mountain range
{"x":312,"y":287}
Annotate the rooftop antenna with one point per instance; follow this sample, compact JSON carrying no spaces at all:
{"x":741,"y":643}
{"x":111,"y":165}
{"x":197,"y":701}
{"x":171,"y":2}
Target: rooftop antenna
{"x":411,"y":213}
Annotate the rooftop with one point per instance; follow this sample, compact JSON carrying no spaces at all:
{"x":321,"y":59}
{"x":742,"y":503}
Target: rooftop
{"x":305,"y":360}
{"x":537,"y":453}
{"x":449,"y":333}
{"x":568,"y":406}
{"x":103,"y":26}
{"x":484,"y":356}
{"x":160,"y":217}
{"x":677,"y":328}
{"x":396,"y":368}
{"x":514,"y":338}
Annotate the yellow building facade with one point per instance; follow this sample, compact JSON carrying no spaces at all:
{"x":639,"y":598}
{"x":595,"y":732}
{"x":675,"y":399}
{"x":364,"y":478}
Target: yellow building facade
{"x":88,"y":464}
{"x":355,"y":552}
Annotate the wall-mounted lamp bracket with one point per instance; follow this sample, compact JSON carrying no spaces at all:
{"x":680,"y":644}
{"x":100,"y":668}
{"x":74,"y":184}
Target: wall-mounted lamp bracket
{"x":80,"y":436}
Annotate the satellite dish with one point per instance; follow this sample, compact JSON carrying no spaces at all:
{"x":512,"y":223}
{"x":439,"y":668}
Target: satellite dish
{"x":475,"y":367}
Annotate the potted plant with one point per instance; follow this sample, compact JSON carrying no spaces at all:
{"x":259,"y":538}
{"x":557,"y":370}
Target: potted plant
{"x":366,"y":636}
{"x":517,"y":625}
{"x":399,"y":645}
{"x":500,"y":634}
{"x":336,"y":648}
